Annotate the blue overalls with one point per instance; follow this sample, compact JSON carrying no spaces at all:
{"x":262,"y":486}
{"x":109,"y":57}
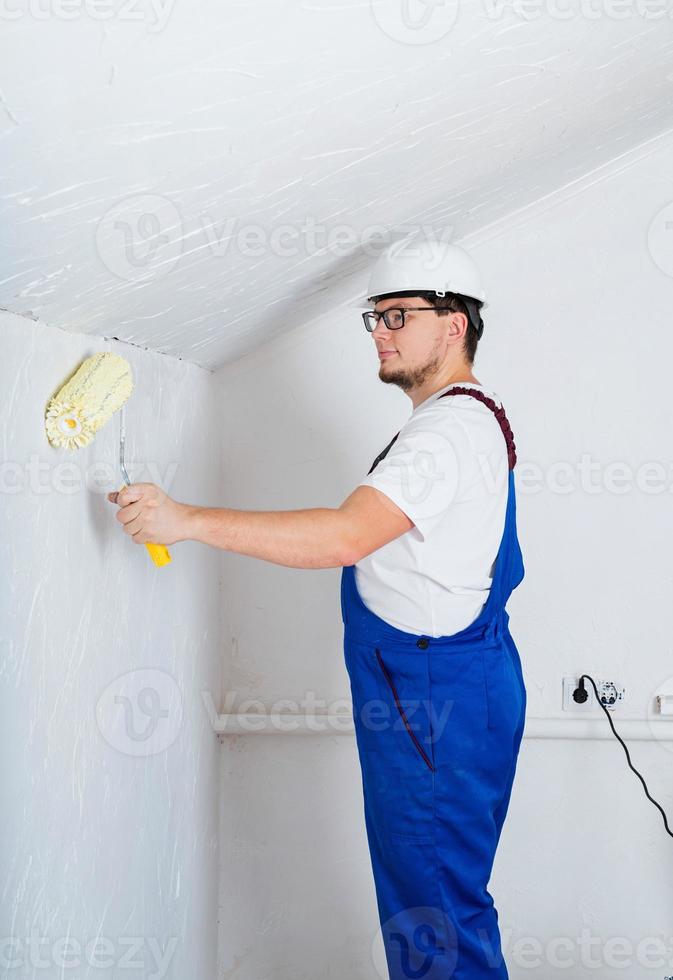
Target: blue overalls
{"x":438,"y":724}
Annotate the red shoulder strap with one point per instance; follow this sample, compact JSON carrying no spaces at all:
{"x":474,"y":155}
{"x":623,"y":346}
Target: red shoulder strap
{"x":480,"y":396}
{"x":499,"y":414}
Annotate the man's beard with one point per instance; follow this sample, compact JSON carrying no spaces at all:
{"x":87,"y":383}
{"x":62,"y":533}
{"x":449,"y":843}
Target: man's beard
{"x":411,"y":377}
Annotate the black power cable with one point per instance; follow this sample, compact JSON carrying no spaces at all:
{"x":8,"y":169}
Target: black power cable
{"x":579,"y":696}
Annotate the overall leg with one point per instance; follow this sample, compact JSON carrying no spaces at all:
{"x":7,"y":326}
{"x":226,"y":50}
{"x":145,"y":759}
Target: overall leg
{"x":475,"y":755}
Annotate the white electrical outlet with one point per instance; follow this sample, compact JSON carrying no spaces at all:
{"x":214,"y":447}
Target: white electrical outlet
{"x":611,"y":693}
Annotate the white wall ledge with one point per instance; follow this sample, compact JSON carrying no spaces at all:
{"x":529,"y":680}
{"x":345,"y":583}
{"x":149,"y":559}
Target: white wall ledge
{"x":292,"y":723}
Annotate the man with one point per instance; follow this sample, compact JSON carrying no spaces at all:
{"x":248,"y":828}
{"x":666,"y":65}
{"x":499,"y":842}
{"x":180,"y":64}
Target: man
{"x":430,"y":556}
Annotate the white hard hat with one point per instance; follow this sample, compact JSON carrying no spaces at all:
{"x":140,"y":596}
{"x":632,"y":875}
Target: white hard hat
{"x":424,"y":266}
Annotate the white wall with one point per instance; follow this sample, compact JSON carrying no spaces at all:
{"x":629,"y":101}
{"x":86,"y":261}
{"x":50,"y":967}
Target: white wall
{"x":578,"y":344}
{"x":108,"y":818}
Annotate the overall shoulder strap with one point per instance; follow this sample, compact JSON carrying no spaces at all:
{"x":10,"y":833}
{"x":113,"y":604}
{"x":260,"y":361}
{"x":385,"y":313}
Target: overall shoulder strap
{"x":499,"y":414}
{"x":383,"y":453}
{"x":480,"y":396}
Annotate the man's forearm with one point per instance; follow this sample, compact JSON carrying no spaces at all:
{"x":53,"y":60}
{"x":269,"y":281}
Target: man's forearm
{"x":313,"y":538}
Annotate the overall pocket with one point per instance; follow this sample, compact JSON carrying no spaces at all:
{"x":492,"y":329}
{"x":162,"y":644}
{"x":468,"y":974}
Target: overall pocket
{"x":504,"y":695}
{"x":412,"y":734}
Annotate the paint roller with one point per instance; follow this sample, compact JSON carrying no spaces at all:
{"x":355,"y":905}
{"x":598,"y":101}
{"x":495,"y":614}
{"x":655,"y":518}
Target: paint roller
{"x":99,"y":387}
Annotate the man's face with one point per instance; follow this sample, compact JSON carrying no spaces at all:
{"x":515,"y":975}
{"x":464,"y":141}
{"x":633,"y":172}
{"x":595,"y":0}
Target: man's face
{"x":411,"y":355}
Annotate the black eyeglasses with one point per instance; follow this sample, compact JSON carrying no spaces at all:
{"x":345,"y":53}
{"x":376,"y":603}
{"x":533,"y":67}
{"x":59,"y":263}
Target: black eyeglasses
{"x":393,"y":318}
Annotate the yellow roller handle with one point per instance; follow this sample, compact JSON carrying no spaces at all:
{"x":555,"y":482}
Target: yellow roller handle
{"x":159,"y":553}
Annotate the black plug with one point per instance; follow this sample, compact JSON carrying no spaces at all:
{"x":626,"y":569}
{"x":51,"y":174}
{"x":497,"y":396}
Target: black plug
{"x":580,"y":694}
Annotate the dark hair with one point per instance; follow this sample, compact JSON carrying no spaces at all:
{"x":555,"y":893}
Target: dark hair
{"x":452,"y":303}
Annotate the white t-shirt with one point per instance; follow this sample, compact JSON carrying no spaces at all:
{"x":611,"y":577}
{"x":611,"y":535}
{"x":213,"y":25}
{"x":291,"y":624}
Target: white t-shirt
{"x":448,"y":471}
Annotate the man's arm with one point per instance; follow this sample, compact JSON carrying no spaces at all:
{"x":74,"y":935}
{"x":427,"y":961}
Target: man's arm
{"x":319,"y":537}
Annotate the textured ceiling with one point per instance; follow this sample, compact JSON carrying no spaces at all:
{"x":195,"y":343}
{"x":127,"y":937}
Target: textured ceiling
{"x":193,"y":176}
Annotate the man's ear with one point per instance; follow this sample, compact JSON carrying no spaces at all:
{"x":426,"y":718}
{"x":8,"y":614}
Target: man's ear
{"x":458,"y":324}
